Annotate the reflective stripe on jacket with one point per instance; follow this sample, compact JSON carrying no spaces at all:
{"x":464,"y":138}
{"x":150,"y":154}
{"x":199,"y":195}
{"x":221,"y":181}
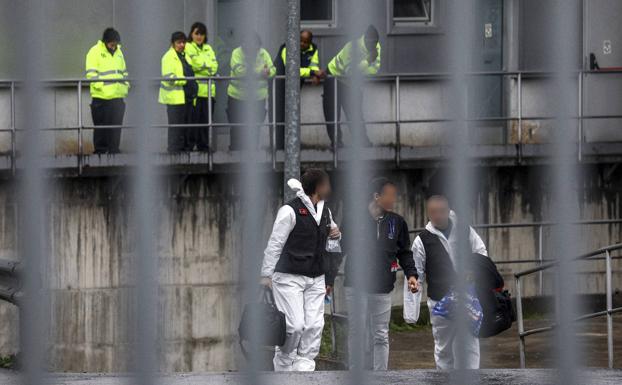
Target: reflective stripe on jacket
{"x":309,"y":61}
{"x":204,"y":64}
{"x":101,"y":64}
{"x":172,"y":92}
{"x":237,"y":88}
{"x":342,"y":63}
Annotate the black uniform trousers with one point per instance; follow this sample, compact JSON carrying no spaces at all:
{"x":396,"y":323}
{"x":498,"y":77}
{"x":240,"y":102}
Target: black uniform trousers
{"x":178,"y":137}
{"x":352,"y":103}
{"x":238,"y":112}
{"x":200,"y":135}
{"x":107,"y":113}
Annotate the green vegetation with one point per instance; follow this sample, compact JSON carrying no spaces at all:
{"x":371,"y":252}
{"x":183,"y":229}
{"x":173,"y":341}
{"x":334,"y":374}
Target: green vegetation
{"x":397,"y":324}
{"x":7,"y":362}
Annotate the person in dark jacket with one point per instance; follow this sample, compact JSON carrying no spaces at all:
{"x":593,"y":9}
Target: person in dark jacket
{"x":391,"y":249}
{"x":309,"y":69}
{"x":294,"y":266}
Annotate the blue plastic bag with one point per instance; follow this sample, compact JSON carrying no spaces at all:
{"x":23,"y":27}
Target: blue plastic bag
{"x":446,"y":308}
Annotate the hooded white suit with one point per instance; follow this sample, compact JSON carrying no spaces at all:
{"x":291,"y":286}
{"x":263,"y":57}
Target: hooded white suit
{"x":301,"y":298}
{"x":444,"y":330}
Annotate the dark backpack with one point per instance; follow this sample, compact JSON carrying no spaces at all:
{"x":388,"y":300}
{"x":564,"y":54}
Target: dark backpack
{"x":272,"y":324}
{"x":496,"y":302}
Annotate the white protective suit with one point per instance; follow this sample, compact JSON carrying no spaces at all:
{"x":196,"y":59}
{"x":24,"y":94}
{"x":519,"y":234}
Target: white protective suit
{"x":444,"y":330}
{"x":301,"y":298}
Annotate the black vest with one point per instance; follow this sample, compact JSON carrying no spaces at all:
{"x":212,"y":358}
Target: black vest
{"x":305,"y":59}
{"x":439,"y":270}
{"x":304,"y":252}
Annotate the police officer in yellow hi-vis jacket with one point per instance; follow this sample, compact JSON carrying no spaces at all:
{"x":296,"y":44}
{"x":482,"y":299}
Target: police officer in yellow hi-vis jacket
{"x":105,"y":61}
{"x":202,"y":58}
{"x":252,"y":65}
{"x":178,"y":94}
{"x":366,"y":50}
{"x":309,"y":69}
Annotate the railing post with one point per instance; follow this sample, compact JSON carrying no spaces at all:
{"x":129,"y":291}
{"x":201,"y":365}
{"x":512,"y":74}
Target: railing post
{"x":333,"y":326}
{"x":609,"y":311}
{"x":13,"y":133}
{"x":335,"y":123}
{"x":541,"y":273}
{"x":274,"y":125}
{"x":210,"y":121}
{"x":521,"y":326}
{"x":398,"y":128}
{"x":80,"y":142}
{"x":520,"y":117}
{"x":580,"y":101}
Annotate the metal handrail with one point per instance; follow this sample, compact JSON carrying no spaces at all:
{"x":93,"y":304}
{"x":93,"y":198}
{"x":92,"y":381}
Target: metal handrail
{"x":522,"y":333}
{"x":540,"y":249}
{"x":396,"y":78}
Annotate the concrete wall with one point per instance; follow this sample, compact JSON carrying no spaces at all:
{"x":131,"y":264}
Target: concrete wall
{"x":90,"y":269}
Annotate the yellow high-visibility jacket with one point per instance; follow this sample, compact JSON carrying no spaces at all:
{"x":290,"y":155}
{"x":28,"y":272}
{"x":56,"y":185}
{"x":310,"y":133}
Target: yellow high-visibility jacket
{"x":204,"y":64}
{"x":237,"y":88}
{"x":172,"y":91}
{"x":101,"y":64}
{"x":342,"y":63}
{"x":309,"y":60}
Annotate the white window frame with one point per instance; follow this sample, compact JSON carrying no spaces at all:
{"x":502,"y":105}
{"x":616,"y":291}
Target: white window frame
{"x":414,"y":25}
{"x":322,"y":24}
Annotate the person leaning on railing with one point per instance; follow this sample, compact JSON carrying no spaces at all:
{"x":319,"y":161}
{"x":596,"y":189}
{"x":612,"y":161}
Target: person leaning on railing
{"x":251,"y":67}
{"x":178,"y":94}
{"x":366,"y":50}
{"x":105,"y":61}
{"x":309,"y":69}
{"x":202,"y":58}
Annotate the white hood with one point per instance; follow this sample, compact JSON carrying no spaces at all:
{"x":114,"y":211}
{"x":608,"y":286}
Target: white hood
{"x":452,"y":217}
{"x":296,"y":186}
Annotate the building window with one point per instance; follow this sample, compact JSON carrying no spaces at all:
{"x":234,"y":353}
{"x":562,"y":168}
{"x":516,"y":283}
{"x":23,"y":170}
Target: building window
{"x":409,"y":12}
{"x":318,"y":13}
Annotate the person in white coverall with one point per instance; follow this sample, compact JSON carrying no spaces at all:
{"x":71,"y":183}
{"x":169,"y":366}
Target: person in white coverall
{"x":434,"y":251}
{"x":294,"y":266}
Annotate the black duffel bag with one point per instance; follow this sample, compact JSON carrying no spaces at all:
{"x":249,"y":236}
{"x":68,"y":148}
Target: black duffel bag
{"x":498,"y":314}
{"x":262,"y":324}
{"x":496,"y":302}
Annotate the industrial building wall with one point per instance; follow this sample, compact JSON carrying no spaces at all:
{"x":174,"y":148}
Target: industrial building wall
{"x":92,"y":245}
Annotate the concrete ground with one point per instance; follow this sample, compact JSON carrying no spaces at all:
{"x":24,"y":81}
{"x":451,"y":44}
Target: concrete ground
{"x":415,"y":349}
{"x":410,"y":377}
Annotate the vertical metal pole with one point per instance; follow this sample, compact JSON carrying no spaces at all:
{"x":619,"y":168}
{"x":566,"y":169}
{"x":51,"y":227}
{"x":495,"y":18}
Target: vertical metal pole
{"x":521,"y":326}
{"x":398,"y":128}
{"x":520,"y":117}
{"x":609,"y":309}
{"x":333,"y":326}
{"x":210,"y":122}
{"x":335,"y":123}
{"x":273,"y":126}
{"x":13,"y":134}
{"x":541,"y":273}
{"x":580,"y":120}
{"x":292,"y":96}
{"x":80,"y":143}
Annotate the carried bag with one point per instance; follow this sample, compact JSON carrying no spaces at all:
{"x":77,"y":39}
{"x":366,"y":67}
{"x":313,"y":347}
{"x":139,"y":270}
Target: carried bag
{"x":496,"y":303}
{"x":498,"y":314}
{"x":412,"y":304}
{"x":262,"y":324}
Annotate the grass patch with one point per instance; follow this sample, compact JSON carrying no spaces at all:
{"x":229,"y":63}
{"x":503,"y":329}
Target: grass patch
{"x":397,"y":324}
{"x":7,"y":362}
